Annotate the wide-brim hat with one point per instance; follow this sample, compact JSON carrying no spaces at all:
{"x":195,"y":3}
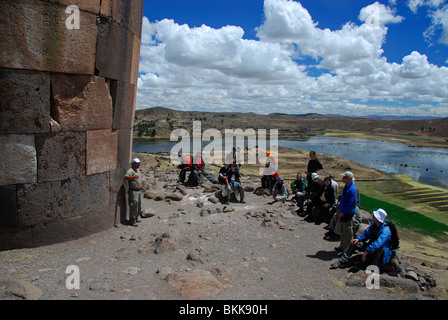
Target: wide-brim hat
{"x":380,"y":215}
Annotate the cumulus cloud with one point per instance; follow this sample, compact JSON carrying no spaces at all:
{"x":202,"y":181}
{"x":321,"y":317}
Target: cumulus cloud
{"x":211,"y":69}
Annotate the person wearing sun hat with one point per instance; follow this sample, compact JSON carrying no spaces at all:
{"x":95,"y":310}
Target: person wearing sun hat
{"x":375,"y":242}
{"x":134,"y":179}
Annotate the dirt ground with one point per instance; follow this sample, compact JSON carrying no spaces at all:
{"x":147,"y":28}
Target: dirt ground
{"x":194,"y":249}
{"x":236,"y":255}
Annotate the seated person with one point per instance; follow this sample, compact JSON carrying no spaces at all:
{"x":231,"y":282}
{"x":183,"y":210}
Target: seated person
{"x":319,"y":206}
{"x":270,"y":175}
{"x":279,"y":191}
{"x":234,"y":183}
{"x":298,"y":188}
{"x":199,"y":169}
{"x":223,"y":174}
{"x":375,"y":243}
{"x":187,"y":165}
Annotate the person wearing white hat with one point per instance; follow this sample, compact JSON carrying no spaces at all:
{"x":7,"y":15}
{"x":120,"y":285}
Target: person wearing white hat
{"x":375,"y":242}
{"x":133,"y":177}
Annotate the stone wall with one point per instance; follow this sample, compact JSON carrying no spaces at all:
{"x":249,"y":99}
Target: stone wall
{"x":67,"y":107}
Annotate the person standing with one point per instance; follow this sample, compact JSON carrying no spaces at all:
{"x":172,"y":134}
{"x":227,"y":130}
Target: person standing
{"x":134,"y":179}
{"x":314,"y":166}
{"x":348,"y":203}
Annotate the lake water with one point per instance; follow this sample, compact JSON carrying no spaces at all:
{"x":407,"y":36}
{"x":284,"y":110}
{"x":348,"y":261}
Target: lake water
{"x":426,"y":165}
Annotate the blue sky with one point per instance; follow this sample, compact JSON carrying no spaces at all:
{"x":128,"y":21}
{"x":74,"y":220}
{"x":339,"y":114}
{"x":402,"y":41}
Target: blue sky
{"x":331,"y":57}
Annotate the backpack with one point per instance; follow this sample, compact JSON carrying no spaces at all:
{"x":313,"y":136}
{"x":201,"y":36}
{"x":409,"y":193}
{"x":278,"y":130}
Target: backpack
{"x":395,"y":239}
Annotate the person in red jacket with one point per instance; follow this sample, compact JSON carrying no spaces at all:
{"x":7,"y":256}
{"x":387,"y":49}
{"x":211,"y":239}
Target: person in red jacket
{"x":199,"y":169}
{"x":187,"y":165}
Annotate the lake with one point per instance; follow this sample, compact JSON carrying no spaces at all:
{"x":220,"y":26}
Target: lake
{"x":426,"y":165}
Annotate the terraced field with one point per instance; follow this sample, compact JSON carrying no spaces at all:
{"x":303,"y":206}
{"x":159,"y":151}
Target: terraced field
{"x":437,"y":199}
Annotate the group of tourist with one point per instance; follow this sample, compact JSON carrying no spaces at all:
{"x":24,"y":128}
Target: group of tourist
{"x":317,"y":200}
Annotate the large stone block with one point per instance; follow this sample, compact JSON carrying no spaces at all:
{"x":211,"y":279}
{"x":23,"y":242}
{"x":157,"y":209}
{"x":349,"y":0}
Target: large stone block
{"x":92,"y":6}
{"x":84,"y":194}
{"x":123,"y":163}
{"x":8,"y":207}
{"x":126,"y":13}
{"x":61,"y":156}
{"x":18,"y":163}
{"x":58,"y":231}
{"x":61,"y":230}
{"x":34,"y":36}
{"x":99,"y":220}
{"x":81,"y":102}
{"x":124,"y":105}
{"x":101,"y":151}
{"x":25,"y":101}
{"x":39,"y":203}
{"x":42,"y":203}
{"x":118,"y":52}
{"x":15,"y":239}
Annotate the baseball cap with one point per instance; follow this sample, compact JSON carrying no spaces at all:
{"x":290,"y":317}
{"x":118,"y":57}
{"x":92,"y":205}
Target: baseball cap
{"x":348,"y":174}
{"x":314,"y":175}
{"x":136,"y":160}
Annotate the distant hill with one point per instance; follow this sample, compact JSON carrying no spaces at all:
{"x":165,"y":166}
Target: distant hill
{"x":160,"y":122}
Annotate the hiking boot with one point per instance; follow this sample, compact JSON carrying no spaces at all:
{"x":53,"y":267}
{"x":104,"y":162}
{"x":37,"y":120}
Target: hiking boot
{"x":340,"y":264}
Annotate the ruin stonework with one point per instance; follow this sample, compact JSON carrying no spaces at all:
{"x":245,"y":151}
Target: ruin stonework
{"x":67,"y":107}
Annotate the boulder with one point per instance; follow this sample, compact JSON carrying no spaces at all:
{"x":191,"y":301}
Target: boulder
{"x":176,"y":196}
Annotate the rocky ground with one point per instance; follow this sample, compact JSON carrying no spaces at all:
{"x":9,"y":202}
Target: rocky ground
{"x":193,"y":247}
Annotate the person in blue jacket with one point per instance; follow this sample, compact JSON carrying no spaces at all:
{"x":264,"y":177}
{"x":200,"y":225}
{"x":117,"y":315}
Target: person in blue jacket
{"x":348,"y":203}
{"x":375,"y":242}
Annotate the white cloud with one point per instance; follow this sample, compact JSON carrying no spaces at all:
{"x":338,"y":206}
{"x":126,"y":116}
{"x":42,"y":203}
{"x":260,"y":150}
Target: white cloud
{"x":218,"y":70}
{"x":439,"y":19}
{"x":437,"y":10}
{"x":378,"y":15}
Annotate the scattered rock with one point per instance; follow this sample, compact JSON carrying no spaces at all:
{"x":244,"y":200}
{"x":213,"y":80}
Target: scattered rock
{"x":148,"y":213}
{"x":194,"y":285}
{"x":198,"y":255}
{"x":176,"y":196}
{"x":19,"y":288}
{"x":163,"y":244}
{"x":131,"y":270}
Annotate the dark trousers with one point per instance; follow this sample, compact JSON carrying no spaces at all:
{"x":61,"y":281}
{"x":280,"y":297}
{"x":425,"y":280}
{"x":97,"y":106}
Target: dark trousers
{"x":268,"y":182}
{"x":375,"y":258}
{"x":182,"y":173}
